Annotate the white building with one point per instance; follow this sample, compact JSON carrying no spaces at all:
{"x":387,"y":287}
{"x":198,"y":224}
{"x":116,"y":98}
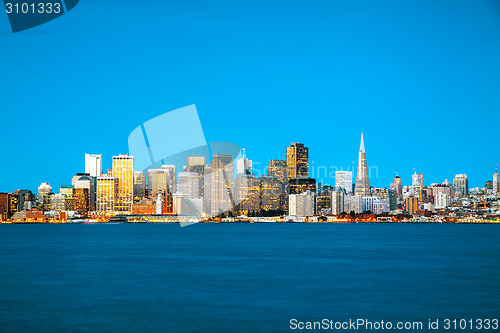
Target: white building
{"x":353,"y":203}
{"x":496,"y":183}
{"x":376,"y":204}
{"x":189,"y":184}
{"x":417,"y":179}
{"x":58,"y":202}
{"x":343,"y":179}
{"x":461,"y":184}
{"x":338,"y":202}
{"x":244,"y":165}
{"x":93,"y":165}
{"x":442,"y":200}
{"x":185,"y":206}
{"x":301,"y":204}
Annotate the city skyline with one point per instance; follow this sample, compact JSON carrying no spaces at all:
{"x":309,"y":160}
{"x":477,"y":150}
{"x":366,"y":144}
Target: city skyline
{"x":92,"y":162}
{"x":419,"y":79}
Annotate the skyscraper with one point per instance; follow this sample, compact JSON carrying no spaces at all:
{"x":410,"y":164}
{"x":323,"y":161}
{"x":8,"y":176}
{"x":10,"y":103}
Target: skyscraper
{"x":189,"y":185}
{"x":197,"y":164}
{"x":417,"y":179}
{"x":244,"y":165}
{"x":461,"y":184}
{"x":222,"y":184}
{"x":123,"y":169}
{"x":107,"y":193}
{"x":496,"y":183}
{"x":338,"y":196}
{"x":411,"y":205}
{"x":247,"y":193}
{"x":302,"y":204}
{"x":84,"y":180}
{"x":44,"y":189}
{"x":343,"y":179}
{"x":93,"y":165}
{"x":270,"y":191}
{"x":157,"y":182}
{"x":362,"y":182}
{"x":139,"y":185}
{"x":297,"y":160}
{"x":397,"y":185}
{"x":81,"y":200}
{"x":279,"y":169}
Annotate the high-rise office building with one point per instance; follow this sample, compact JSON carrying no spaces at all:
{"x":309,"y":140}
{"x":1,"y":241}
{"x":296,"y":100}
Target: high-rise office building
{"x":162,"y":180}
{"x":81,"y":200}
{"x":171,"y":177}
{"x":66,"y":190}
{"x":411,"y":205}
{"x":4,"y":206}
{"x":189,"y":185}
{"x":338,"y":196}
{"x":123,"y":170}
{"x":362,"y":183}
{"x":43,"y":190}
{"x":57,"y":202}
{"x":300,"y":185}
{"x":343,"y":179}
{"x":222,"y":184}
{"x":207,"y":189}
{"x":157,"y":182}
{"x":393,"y":199}
{"x":278,"y":169}
{"x":297,"y":160}
{"x":417,"y":179}
{"x":442,"y":200}
{"x":397,"y":185}
{"x":26,"y":200}
{"x":302,"y":204}
{"x":107,"y":194}
{"x":244,"y":165}
{"x":270,"y":192}
{"x":194,"y":161}
{"x":139,"y":185}
{"x":84,"y":180}
{"x":461,"y":184}
{"x":197,"y":164}
{"x":93,"y":165}
{"x":353,"y":203}
{"x":247,"y":194}
{"x":496,"y":183}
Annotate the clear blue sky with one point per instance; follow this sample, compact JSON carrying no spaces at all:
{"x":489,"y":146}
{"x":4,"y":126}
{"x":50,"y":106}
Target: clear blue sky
{"x":421,"y":79}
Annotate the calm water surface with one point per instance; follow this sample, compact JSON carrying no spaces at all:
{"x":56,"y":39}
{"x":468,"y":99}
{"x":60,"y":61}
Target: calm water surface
{"x":242,"y":277}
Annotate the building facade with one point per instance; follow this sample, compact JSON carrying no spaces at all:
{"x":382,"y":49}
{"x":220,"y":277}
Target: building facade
{"x":123,"y":170}
{"x":297,"y":160}
{"x":362,"y":182}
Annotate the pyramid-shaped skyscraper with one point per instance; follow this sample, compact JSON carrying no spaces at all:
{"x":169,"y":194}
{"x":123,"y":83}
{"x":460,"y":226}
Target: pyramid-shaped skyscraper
{"x":362,"y":183}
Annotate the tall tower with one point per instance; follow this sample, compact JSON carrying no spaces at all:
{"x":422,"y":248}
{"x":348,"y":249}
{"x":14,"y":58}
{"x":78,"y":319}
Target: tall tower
{"x":222,"y":184}
{"x":397,"y":185}
{"x":362,"y":184}
{"x":93,"y":165}
{"x":496,"y":182}
{"x":123,"y":169}
{"x":107,"y":193}
{"x":297,"y":159}
{"x":244,"y":165}
{"x":343,"y":179}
